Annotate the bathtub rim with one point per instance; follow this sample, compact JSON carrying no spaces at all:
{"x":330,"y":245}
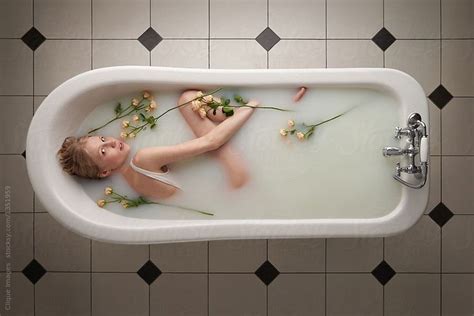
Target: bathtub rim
{"x":404,"y":87}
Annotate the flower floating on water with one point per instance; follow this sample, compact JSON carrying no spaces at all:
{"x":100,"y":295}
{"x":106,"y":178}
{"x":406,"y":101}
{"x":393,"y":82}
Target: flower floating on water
{"x":143,"y":106}
{"x":302,"y":135}
{"x":206,"y":102}
{"x":114,"y":197}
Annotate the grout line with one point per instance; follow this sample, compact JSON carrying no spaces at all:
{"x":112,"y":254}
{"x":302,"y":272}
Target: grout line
{"x":325,"y":276}
{"x":34,"y":215}
{"x":90,"y":244}
{"x":209,"y":35}
{"x":252,"y":273}
{"x":208,"y":280}
{"x":250,"y":38}
{"x":326,"y":30}
{"x":441,"y":160}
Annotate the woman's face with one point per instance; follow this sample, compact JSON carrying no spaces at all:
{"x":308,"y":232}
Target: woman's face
{"x":108,"y":153}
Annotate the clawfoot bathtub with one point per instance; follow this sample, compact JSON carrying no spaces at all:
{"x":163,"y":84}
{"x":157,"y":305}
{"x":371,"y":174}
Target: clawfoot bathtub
{"x":65,"y":108}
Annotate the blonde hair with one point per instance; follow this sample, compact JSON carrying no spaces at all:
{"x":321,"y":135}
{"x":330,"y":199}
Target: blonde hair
{"x":75,"y":160}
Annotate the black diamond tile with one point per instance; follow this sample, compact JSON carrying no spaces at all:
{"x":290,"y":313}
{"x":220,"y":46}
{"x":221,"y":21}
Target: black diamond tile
{"x":149,"y":272}
{"x":441,"y":214}
{"x":383,"y":272}
{"x":267,"y":272}
{"x":33,"y":38}
{"x":267,"y":39}
{"x":383,"y":39}
{"x":440,"y":96}
{"x":24,"y":153}
{"x":34,"y":271}
{"x":150,"y":39}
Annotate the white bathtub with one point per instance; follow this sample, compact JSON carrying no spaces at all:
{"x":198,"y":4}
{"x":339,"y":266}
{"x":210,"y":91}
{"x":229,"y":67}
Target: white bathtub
{"x":65,"y":108}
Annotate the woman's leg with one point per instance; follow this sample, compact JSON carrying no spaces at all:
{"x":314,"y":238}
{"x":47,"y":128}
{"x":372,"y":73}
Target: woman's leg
{"x":226,"y":154}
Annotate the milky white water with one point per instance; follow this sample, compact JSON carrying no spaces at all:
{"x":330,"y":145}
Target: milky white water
{"x":339,"y":172}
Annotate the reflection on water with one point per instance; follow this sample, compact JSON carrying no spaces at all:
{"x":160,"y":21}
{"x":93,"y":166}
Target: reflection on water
{"x":339,"y":172}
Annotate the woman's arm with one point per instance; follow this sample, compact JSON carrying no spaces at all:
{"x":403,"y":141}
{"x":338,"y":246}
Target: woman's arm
{"x":162,"y":155}
{"x":226,"y":129}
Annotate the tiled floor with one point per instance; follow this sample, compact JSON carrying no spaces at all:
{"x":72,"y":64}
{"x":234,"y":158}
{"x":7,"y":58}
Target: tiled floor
{"x":429,"y":270}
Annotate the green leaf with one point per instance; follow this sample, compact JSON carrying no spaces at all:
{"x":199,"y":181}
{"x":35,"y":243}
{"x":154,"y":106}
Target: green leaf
{"x":118,"y":108}
{"x":152,"y":125}
{"x":143,"y":117}
{"x":227,"y":102}
{"x":237,"y":98}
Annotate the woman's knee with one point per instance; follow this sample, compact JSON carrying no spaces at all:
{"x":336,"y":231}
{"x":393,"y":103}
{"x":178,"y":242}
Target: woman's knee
{"x":186,"y":96}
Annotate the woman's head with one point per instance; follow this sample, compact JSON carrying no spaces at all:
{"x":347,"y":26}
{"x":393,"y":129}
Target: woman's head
{"x":93,"y":157}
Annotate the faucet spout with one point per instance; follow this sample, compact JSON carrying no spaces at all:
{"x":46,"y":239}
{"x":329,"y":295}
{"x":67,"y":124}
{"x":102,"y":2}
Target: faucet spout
{"x":392,"y":151}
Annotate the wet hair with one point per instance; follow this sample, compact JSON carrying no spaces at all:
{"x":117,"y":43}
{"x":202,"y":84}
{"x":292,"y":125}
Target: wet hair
{"x":75,"y":160}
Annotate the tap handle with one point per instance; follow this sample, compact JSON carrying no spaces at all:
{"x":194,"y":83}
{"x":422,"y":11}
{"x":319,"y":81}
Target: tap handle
{"x":397,"y":132}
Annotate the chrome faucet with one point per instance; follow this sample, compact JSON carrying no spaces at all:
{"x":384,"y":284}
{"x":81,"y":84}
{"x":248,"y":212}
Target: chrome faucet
{"x":418,"y":144}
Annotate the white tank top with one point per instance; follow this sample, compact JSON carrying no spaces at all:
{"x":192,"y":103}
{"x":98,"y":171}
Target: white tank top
{"x":164,"y":177}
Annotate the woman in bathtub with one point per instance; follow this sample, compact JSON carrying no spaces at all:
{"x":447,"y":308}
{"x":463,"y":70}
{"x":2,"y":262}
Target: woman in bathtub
{"x":98,"y":157}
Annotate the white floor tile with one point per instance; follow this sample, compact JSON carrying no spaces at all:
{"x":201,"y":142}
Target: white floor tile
{"x":458,"y":18}
{"x":458,"y":67}
{"x":418,"y":58}
{"x":354,"y":53}
{"x":15,"y":118}
{"x":59,"y":249}
{"x":458,"y":183}
{"x":298,"y":54}
{"x":458,"y":127}
{"x":186,"y":18}
{"x":245,"y":54}
{"x":354,"y":19}
{"x":59,"y":60}
{"x":181,"y":53}
{"x":15,"y":25}
{"x":63,"y":19}
{"x":310,"y":14}
{"x":413,"y":18}
{"x":63,"y":294}
{"x":120,"y":19}
{"x":237,"y":19}
{"x":108,"y":53}
{"x":17,"y":187}
{"x":16,"y":60}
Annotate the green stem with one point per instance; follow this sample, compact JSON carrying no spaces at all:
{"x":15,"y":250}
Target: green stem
{"x":119,"y":117}
{"x":186,"y":208}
